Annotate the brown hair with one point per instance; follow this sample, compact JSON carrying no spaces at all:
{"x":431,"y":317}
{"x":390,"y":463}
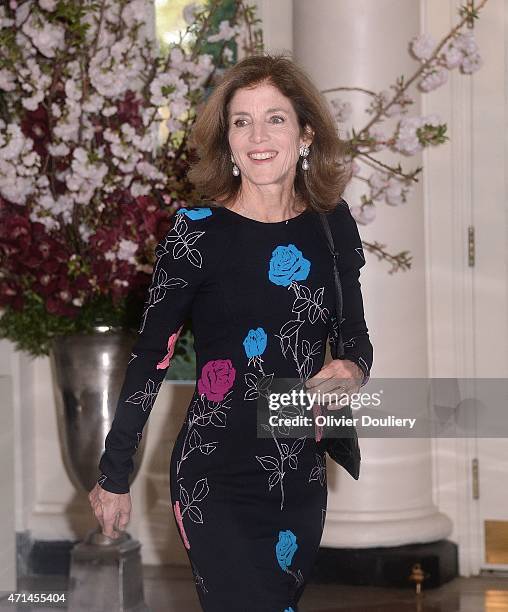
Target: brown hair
{"x":321,"y":186}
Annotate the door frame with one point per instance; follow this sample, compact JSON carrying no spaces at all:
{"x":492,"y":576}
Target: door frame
{"x":458,"y":192}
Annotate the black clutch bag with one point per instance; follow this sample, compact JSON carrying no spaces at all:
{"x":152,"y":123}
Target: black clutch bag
{"x":343,"y":447}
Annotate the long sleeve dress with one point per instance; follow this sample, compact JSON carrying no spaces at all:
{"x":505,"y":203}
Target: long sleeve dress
{"x":250,"y":508}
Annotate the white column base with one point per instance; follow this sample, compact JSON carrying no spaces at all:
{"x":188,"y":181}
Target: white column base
{"x":385,"y":530}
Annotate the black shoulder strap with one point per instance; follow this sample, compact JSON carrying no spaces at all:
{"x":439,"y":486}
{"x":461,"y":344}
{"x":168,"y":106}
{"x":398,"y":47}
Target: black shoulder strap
{"x":336,"y":348}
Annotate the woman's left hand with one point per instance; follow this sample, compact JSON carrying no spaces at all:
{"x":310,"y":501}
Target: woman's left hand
{"x":340,"y":376}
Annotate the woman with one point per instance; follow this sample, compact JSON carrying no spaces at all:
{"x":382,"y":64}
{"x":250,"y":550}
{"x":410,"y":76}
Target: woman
{"x":253,"y":270}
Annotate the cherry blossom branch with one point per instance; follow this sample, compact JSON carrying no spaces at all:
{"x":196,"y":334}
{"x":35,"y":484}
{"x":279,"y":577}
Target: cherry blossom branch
{"x":389,"y":180}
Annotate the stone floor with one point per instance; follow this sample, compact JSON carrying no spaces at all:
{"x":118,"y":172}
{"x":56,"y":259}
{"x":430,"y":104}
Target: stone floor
{"x":171,"y":589}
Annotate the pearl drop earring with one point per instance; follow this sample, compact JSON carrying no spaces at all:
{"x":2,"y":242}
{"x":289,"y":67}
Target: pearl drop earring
{"x":304,"y":151}
{"x":236,"y":170}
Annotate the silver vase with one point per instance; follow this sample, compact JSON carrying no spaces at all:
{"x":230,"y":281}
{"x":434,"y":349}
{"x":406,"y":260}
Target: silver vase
{"x":88,"y":372}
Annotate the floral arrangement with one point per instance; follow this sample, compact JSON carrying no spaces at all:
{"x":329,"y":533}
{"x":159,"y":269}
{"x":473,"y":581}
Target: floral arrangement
{"x":87,"y":182}
{"x":94,"y":119}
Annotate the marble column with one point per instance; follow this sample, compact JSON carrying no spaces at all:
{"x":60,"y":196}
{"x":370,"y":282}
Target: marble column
{"x":363,"y":43}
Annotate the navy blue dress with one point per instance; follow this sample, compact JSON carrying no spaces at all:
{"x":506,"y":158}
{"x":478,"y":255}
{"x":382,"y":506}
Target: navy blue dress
{"x":250,"y":509}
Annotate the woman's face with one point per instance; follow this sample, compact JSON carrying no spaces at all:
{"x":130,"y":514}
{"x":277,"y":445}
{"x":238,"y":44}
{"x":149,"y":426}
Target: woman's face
{"x":262,"y":119}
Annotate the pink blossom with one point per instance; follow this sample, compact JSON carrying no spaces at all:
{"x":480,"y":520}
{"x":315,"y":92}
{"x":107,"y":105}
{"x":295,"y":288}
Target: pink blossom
{"x":165,"y":362}
{"x":452,"y":56}
{"x":467,"y":43}
{"x":217,"y":377}
{"x":434,"y":79}
{"x":226,"y":32}
{"x":471,"y":63}
{"x":363,"y":214}
{"x":179,"y":520}
{"x":394,"y":192}
{"x":407,"y":139}
{"x":422,"y":46}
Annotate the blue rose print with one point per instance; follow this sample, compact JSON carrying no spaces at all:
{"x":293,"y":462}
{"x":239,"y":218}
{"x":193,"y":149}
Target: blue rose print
{"x":286,"y":548}
{"x":287,"y":264}
{"x":289,"y":610}
{"x":194,"y":213}
{"x":255,"y":342}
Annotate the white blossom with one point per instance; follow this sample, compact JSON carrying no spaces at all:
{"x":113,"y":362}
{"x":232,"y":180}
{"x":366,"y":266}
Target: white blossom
{"x":364,"y":215}
{"x":226,"y":32}
{"x":149,"y":171}
{"x":67,"y":128}
{"x":463,"y":51}
{"x":407,"y":140}
{"x":394,"y":192}
{"x":11,"y":187}
{"x":48,"y":5}
{"x":14,"y":143}
{"x":109,"y":111}
{"x":22,"y":12}
{"x":423,"y":46}
{"x":136,"y":12}
{"x":5,"y":22}
{"x":138,"y":189}
{"x":56,"y":110}
{"x":466,"y":42}
{"x":47,"y":39}
{"x":434,"y":78}
{"x":84,"y":231}
{"x":452,"y":56}
{"x":471,"y":63}
{"x":378,"y":182}
{"x":85,"y":176}
{"x":7,"y":80}
{"x":160,"y":86}
{"x":126,"y":250}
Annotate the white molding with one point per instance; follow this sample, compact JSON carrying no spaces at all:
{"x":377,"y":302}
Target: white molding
{"x":453,"y":185}
{"x":447,"y":196}
{"x":7,"y":487}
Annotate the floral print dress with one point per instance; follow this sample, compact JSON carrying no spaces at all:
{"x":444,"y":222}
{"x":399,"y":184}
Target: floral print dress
{"x":250,"y":508}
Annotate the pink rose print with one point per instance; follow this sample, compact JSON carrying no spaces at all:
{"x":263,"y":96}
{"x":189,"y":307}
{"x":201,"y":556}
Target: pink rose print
{"x":179,"y":520}
{"x":316,"y":409}
{"x":216,"y":379}
{"x":165,"y":362}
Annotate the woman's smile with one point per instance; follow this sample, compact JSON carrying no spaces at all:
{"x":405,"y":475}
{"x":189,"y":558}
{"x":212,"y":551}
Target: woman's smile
{"x":260,"y":158}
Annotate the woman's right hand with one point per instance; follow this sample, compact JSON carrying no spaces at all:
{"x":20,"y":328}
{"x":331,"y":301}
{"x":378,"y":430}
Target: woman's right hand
{"x":112,"y":510}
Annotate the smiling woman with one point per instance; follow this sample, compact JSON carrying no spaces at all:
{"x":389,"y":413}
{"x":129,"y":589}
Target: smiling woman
{"x":268,"y":104}
{"x":254,"y":273}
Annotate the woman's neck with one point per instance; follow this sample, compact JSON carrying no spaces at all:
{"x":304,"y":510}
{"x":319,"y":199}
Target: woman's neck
{"x":297,"y":206}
